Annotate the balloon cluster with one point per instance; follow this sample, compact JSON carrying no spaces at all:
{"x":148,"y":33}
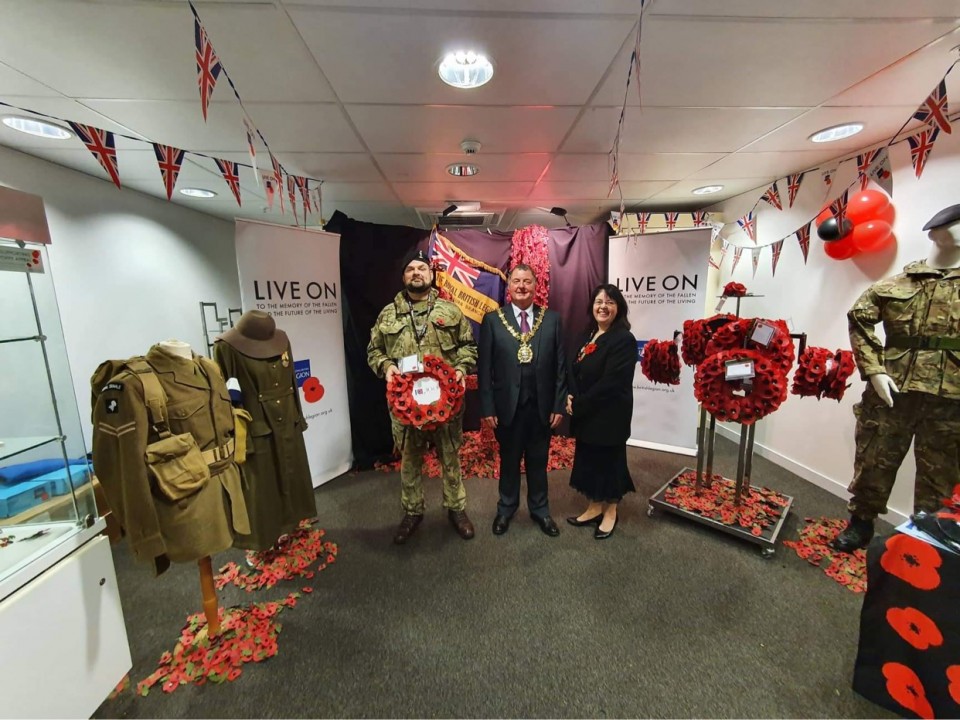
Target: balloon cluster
{"x":736,"y":334}
{"x":696,"y":335}
{"x":405,"y":407}
{"x":661,"y":362}
{"x":823,"y":373}
{"x":867,"y":226}
{"x":722,"y":398}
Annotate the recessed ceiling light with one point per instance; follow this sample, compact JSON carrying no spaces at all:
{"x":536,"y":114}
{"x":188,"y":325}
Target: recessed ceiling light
{"x":707,"y":189}
{"x":466,"y":69}
{"x":197,"y":192}
{"x":38,"y":128}
{"x":463,"y":169}
{"x":837,"y":132}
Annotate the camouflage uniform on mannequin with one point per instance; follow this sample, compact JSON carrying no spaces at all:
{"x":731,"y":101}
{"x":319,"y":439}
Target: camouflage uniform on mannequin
{"x":914,"y":390}
{"x":418,"y":323}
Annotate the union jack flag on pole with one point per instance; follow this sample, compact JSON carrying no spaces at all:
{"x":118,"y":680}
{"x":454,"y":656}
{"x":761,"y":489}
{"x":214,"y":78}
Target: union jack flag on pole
{"x":748,"y":223}
{"x":803,"y":237}
{"x":670,"y":219}
{"x":451,"y":263}
{"x":169,"y":159}
{"x":103,"y":146}
{"x":776,"y":249}
{"x":934,"y":110}
{"x":920,"y":146}
{"x":231,"y":173}
{"x":793,"y":186}
{"x":208,"y":64}
{"x":700,"y":218}
{"x":772,"y":197}
{"x":864,"y":162}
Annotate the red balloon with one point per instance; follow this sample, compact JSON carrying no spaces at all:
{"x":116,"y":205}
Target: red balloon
{"x":870,"y":236}
{"x":887,"y":214}
{"x":866,"y":205}
{"x":841,"y":249}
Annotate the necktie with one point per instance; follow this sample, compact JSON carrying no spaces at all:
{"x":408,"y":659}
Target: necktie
{"x":524,"y":325}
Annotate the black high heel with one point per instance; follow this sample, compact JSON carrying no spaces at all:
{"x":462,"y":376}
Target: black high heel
{"x":598,"y":535}
{"x":595,"y":520}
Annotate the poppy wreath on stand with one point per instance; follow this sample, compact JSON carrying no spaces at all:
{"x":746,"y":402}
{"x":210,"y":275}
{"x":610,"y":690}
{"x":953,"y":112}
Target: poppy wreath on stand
{"x":445,"y":395}
{"x":734,"y":335}
{"x":661,"y":362}
{"x":822,"y":373}
{"x":723,"y":399}
{"x":696,"y":335}
{"x":734,"y":289}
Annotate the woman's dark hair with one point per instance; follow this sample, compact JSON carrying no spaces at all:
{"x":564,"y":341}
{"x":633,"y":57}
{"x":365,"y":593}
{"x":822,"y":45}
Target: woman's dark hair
{"x":612,"y":292}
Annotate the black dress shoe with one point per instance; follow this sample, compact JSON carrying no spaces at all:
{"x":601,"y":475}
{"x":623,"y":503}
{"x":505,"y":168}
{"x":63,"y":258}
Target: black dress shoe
{"x":595,"y":520}
{"x":546,"y":524}
{"x":501,"y":523}
{"x":600,"y":535}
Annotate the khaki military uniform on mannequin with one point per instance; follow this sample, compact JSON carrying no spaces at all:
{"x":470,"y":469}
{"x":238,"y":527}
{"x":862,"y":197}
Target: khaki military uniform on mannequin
{"x":419,"y":323}
{"x":914,"y":390}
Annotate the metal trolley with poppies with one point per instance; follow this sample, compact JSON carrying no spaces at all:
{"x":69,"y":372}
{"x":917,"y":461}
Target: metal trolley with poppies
{"x":742,"y":365}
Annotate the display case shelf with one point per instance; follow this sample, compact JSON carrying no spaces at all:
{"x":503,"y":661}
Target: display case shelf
{"x":14,"y":446}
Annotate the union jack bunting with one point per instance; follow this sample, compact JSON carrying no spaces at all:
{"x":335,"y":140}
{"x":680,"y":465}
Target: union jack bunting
{"x":231,"y":173}
{"x":277,"y":170}
{"x":793,"y":186}
{"x":208,"y":64}
{"x":864,"y":161}
{"x":839,"y":207}
{"x":775,"y":250}
{"x":169,"y":159}
{"x":748,"y":223}
{"x":700,"y":218}
{"x":271,"y":190}
{"x":712,"y":263}
{"x":103,"y":146}
{"x":737,"y":252}
{"x":934,"y":110}
{"x":772,"y":197}
{"x":292,"y":195}
{"x":304,"y":194}
{"x":803,"y":237}
{"x":723,"y":252}
{"x":920,"y":146}
{"x":318,"y":200}
{"x":755,"y":259}
{"x":670,"y":219}
{"x":827,"y":176}
{"x":451,"y":263}
{"x":643,"y":218}
{"x":881,"y":173}
{"x":252,"y":149}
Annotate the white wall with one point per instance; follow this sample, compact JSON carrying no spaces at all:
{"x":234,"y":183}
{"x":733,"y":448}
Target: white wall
{"x":129,"y":269}
{"x":816,"y":439}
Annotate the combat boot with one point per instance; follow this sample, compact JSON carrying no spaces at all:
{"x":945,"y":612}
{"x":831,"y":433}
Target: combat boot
{"x":461,"y":523}
{"x":856,"y":535}
{"x":408,"y":526}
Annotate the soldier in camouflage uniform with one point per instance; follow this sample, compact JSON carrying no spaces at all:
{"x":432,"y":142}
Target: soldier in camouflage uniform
{"x":419,"y":323}
{"x":920,"y":364}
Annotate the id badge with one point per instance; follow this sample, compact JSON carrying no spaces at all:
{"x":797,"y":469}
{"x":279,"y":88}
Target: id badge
{"x":409,"y":364}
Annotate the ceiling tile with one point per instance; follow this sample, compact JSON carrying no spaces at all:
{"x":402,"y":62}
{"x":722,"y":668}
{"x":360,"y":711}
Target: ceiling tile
{"x":880,"y":123}
{"x":679,"y":195}
{"x":335,"y":167}
{"x":334,"y":192}
{"x":433,"y":167}
{"x":440,"y":129}
{"x":429,"y":193}
{"x":814,"y":9}
{"x":62,"y":110}
{"x":626,"y":8}
{"x":666,"y":130}
{"x":632,"y":191}
{"x":763,"y":164}
{"x":15,"y":82}
{"x":372,"y":57}
{"x":633,"y":166}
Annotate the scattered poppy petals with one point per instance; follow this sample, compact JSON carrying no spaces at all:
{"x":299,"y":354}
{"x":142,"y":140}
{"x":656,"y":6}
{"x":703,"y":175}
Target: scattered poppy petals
{"x":847,"y":569}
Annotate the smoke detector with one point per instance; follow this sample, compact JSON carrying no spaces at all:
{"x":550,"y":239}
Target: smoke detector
{"x":470,"y":147}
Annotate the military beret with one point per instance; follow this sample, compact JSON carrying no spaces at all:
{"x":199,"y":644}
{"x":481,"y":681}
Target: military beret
{"x":415,"y":256}
{"x":946,"y":216}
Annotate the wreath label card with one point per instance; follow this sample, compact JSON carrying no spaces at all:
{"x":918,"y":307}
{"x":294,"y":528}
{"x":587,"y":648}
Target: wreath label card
{"x":426,"y":391}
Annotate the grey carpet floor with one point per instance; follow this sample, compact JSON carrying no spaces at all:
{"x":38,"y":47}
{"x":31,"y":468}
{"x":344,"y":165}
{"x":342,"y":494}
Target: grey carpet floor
{"x":664,"y":619}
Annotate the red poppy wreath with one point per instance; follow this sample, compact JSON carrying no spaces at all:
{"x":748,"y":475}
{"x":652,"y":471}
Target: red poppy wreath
{"x":426,"y":399}
{"x":661,"y":362}
{"x":734,"y":335}
{"x":696,"y":335}
{"x":823,"y":373}
{"x":728,"y":400}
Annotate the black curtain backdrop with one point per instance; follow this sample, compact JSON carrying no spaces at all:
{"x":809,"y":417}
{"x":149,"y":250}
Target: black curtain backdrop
{"x":370,"y":274}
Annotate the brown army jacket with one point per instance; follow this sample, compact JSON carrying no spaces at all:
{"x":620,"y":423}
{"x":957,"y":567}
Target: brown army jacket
{"x":197,"y":401}
{"x":919,"y":308}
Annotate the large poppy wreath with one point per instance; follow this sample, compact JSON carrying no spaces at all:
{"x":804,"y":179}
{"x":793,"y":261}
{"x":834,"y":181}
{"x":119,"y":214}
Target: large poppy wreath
{"x":822,"y":373}
{"x":660,"y":362}
{"x":696,"y":335}
{"x":406,"y":394}
{"x":736,"y":335}
{"x":730,"y":401}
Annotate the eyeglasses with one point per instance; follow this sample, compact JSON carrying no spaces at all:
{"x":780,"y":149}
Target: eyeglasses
{"x":604,"y":303}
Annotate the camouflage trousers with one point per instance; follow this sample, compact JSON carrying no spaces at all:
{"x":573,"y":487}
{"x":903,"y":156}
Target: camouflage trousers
{"x":883,"y":437}
{"x":447,"y":439}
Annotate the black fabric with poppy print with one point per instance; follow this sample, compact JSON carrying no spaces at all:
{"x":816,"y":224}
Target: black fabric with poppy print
{"x":909,"y":655}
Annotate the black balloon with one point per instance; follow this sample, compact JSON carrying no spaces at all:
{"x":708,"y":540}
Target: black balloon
{"x":830,"y":229}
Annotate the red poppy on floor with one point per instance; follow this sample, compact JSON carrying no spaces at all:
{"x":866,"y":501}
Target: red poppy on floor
{"x":915,"y":627}
{"x":953,"y":675}
{"x":848,"y":569}
{"x":905,"y":687}
{"x":913,"y":561}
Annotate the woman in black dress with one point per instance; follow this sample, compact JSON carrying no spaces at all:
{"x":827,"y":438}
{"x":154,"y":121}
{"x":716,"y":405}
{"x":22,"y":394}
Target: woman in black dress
{"x":601,"y":407}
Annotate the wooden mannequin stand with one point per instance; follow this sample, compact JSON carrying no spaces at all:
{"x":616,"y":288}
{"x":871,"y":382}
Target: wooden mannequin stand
{"x":209,"y":592}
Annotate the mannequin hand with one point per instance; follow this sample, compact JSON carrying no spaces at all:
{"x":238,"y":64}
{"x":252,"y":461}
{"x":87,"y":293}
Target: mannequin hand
{"x":570,"y":405}
{"x":555,"y":419}
{"x":885,"y":387}
{"x":392,"y":372}
{"x":461,"y":379}
{"x":490,"y":422}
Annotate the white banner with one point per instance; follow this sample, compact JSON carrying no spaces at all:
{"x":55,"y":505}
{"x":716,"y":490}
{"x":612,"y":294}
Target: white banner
{"x":663,"y":278}
{"x":294,"y":274}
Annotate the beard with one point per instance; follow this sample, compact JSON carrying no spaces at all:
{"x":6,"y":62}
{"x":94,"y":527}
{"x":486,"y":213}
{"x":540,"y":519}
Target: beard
{"x":417,"y":286}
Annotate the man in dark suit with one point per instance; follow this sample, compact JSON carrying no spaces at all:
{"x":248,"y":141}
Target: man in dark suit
{"x":522,"y":375}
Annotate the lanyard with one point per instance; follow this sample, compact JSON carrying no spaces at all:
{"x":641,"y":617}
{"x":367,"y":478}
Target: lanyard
{"x":419,"y":333}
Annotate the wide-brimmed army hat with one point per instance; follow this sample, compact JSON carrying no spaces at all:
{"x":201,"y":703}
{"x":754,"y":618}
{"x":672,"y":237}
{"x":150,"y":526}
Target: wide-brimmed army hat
{"x":256,"y":335}
{"x":947,"y":216}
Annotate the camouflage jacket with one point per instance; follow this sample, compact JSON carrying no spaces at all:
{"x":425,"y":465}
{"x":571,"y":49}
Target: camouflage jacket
{"x":448,"y":334}
{"x":919,"y":309}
